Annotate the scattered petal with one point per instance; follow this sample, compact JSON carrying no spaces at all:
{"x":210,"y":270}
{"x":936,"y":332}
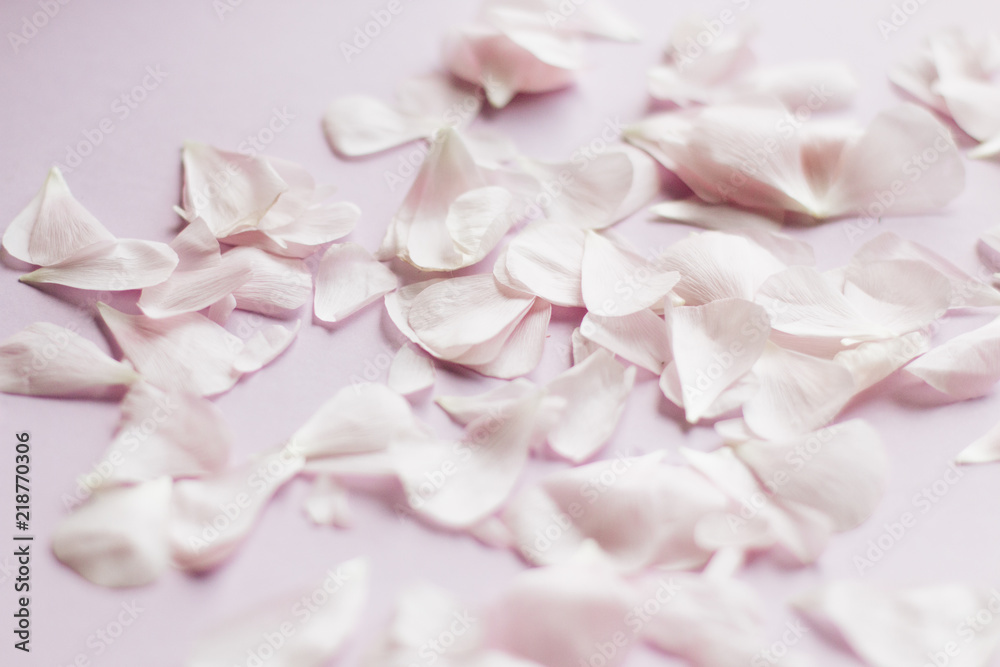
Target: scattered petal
{"x":349,"y":279}
{"x":47,"y":360}
{"x":119,"y":537}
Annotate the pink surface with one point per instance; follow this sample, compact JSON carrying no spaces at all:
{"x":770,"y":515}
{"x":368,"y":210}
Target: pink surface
{"x":224,"y":79}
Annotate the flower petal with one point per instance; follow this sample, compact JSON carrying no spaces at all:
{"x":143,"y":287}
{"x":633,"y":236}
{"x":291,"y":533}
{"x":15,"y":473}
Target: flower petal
{"x":714,"y":345}
{"x":411,"y":371}
{"x":199,"y":538}
{"x":798,"y":393}
{"x":349,"y":279}
{"x":53,"y":227}
{"x":173,"y":434}
{"x":119,"y":537}
{"x":358,"y":419}
{"x":48,"y":360}
{"x":640,"y":338}
{"x":964,"y":367}
{"x":840,"y":470}
{"x":595,"y":391}
{"x":310,"y":637}
{"x":112,"y":266}
{"x":617,"y":281}
{"x":901,"y":626}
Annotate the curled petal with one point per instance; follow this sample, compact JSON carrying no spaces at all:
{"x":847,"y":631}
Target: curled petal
{"x":53,"y":227}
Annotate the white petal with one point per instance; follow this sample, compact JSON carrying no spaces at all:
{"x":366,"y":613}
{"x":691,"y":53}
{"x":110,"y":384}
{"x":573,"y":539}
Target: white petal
{"x":708,"y":622}
{"x":985,"y":449}
{"x":187,"y":352}
{"x":453,"y":216}
{"x":459,"y":486}
{"x":556,"y":616}
{"x":452,"y":316}
{"x":529,"y":59}
{"x":545,"y":259}
{"x":112,"y":266}
{"x":230,"y":191}
{"x":199,"y":538}
{"x":160,"y":433}
{"x":349,"y":279}
{"x":803,"y":85}
{"x":617,"y":281}
{"x":266,"y":345}
{"x":966,"y":291}
{"x":595,"y":391}
{"x":310,"y":636}
{"x":48,"y":360}
{"x":964,"y":367}
{"x":465,"y":409}
{"x":53,"y":227}
{"x":870,"y":166}
{"x":190,"y":291}
{"x":640,"y":338}
{"x":552,"y":521}
{"x":798,"y":393}
{"x":275,"y":284}
{"x":358,"y":419}
{"x":903,"y":626}
{"x":695,"y":212}
{"x":839,"y":470}
{"x":119,"y":537}
{"x":714,"y":345}
{"x":522,"y":349}
{"x":870,"y":363}
{"x":361,"y":125}
{"x":411,"y":371}
{"x":714,"y":265}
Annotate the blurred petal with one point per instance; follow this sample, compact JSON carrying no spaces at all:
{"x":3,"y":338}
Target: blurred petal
{"x":119,"y":537}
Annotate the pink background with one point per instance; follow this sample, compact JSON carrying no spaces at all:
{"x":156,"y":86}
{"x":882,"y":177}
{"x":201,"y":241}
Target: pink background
{"x":224,"y":77}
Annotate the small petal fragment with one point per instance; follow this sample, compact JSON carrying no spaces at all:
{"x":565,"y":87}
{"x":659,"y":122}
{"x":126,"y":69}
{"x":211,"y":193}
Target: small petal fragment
{"x":349,"y":279}
{"x":967,"y":366}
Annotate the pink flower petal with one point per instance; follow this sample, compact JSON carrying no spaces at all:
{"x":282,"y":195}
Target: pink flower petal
{"x":617,"y":281}
{"x":349,"y":279}
{"x":160,"y":433}
{"x":211,"y":516}
{"x":119,"y":537}
{"x":53,"y":227}
{"x":112,"y":266}
{"x":48,"y":360}
{"x":310,"y":635}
